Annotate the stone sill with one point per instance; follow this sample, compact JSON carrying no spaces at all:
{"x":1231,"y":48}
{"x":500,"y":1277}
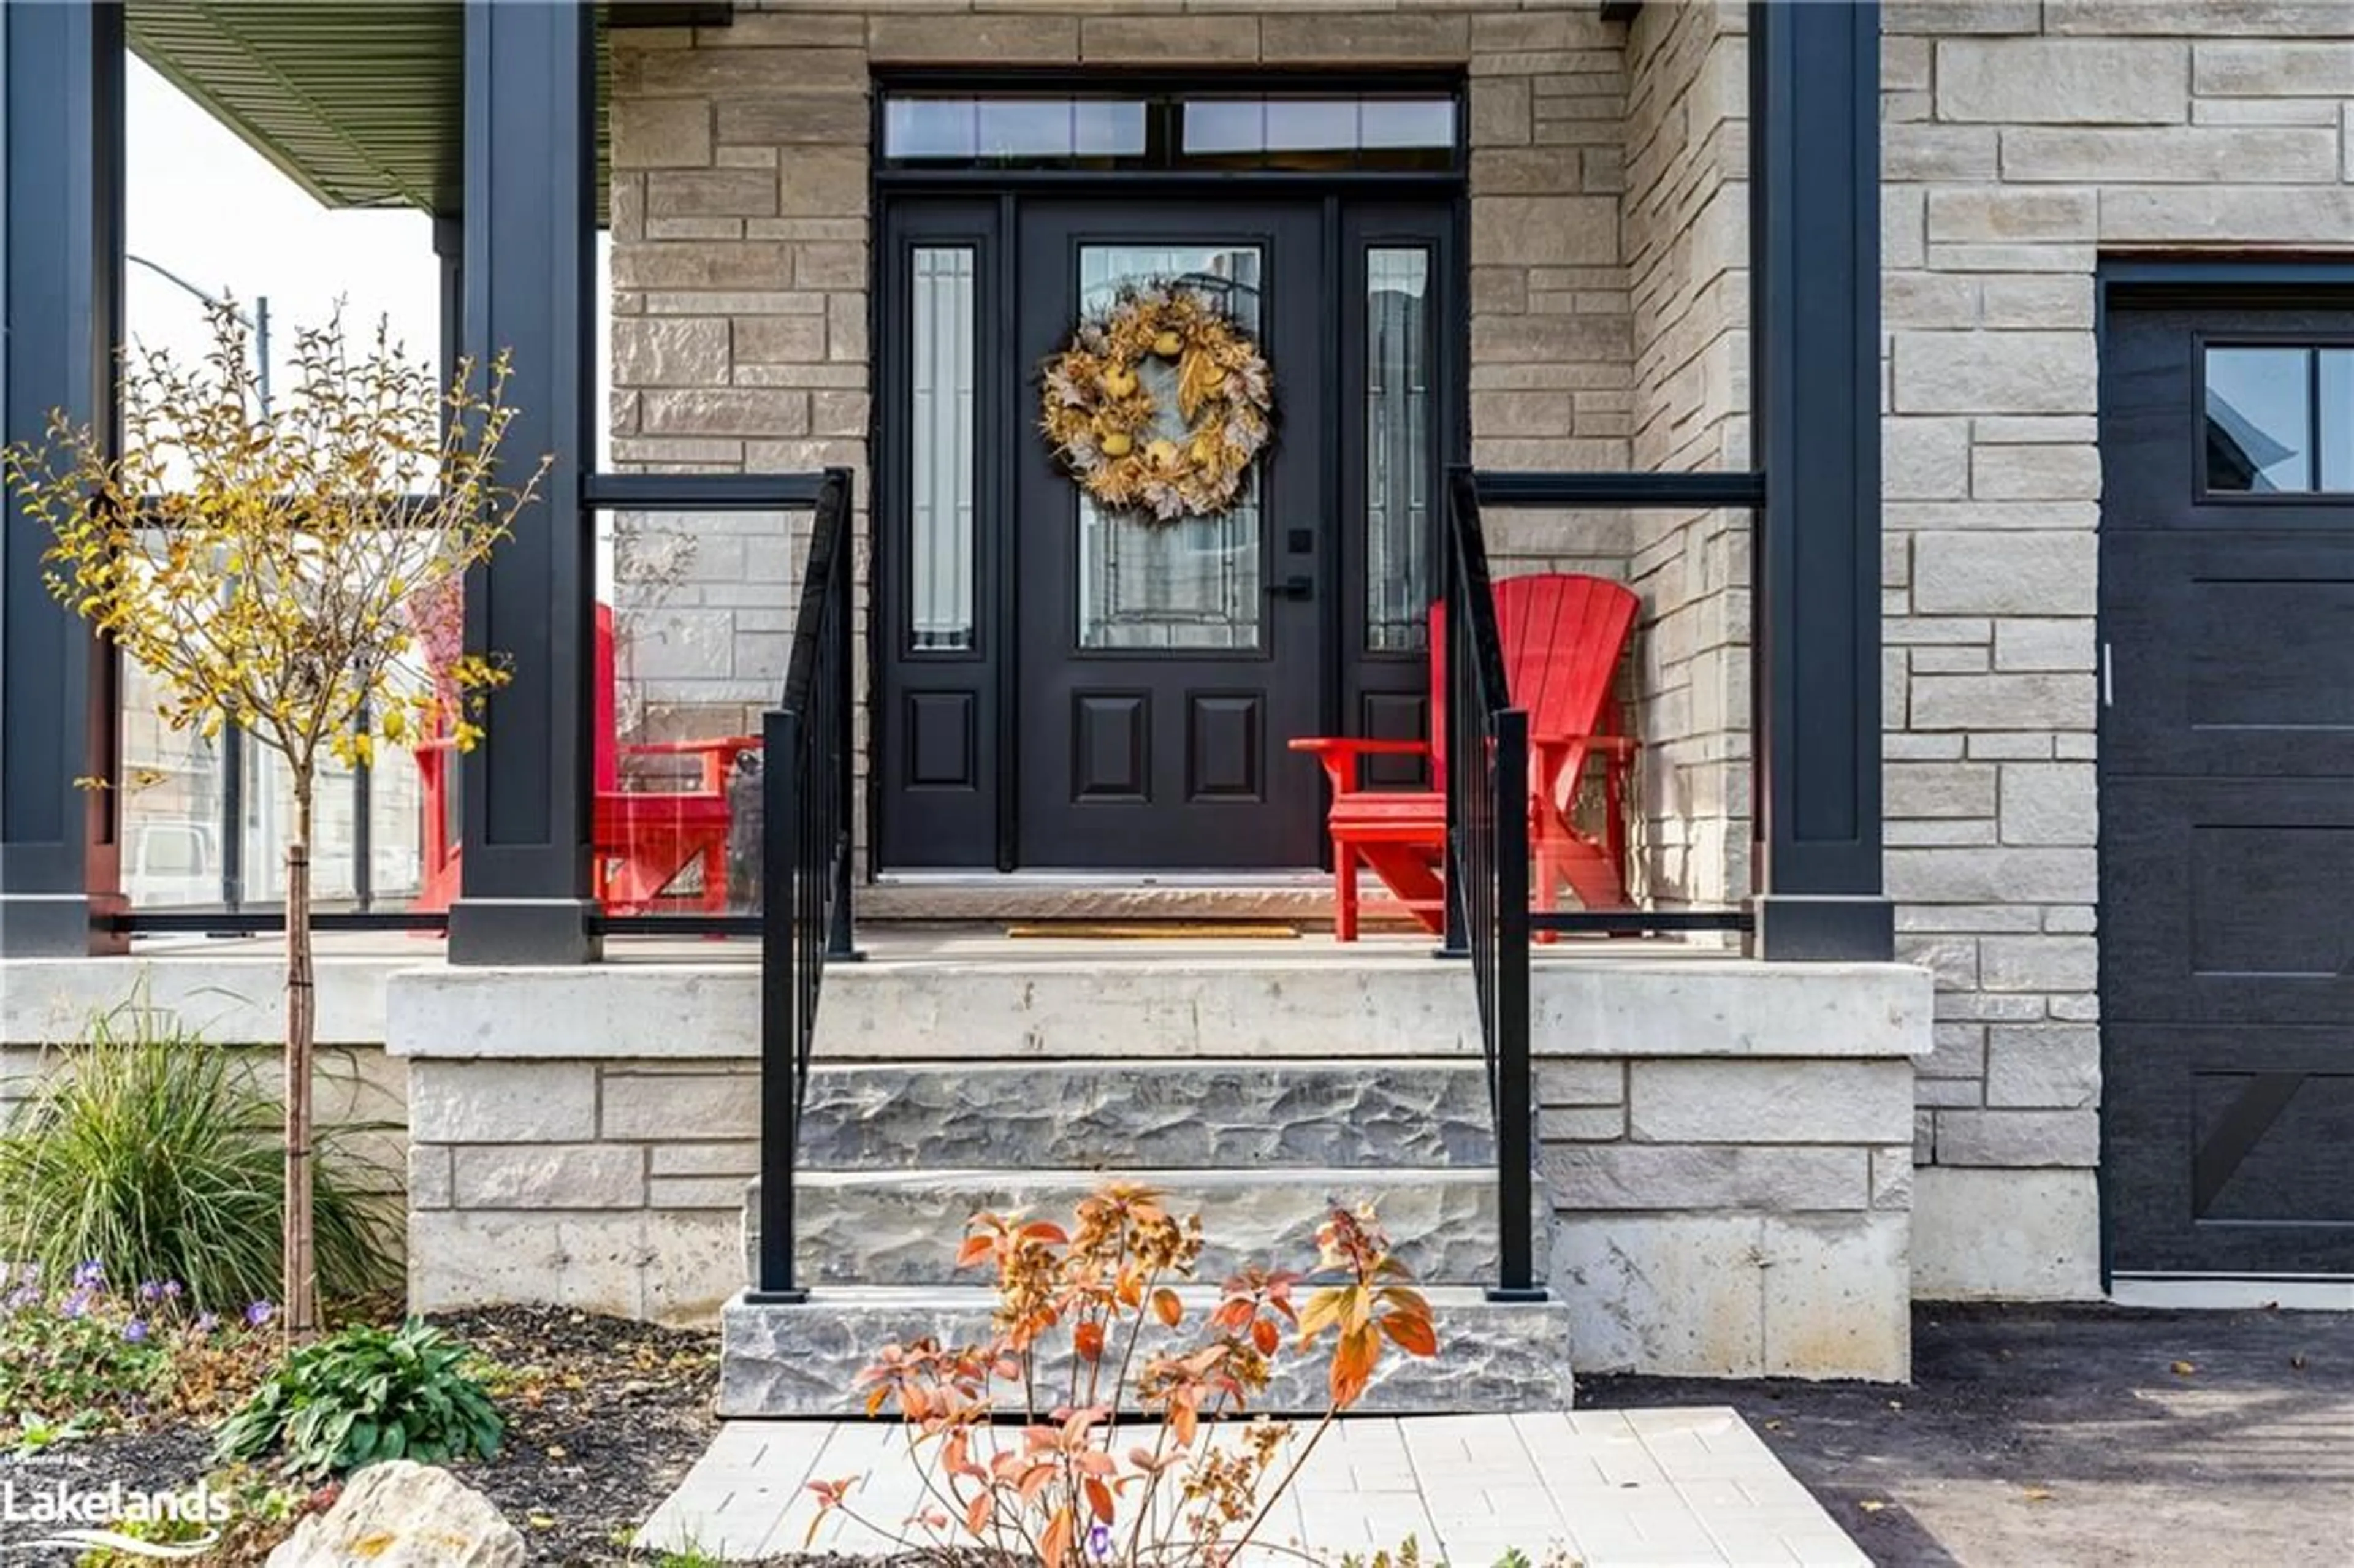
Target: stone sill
{"x":994,"y":1010}
{"x":230,"y":999}
{"x":1319,"y":1007}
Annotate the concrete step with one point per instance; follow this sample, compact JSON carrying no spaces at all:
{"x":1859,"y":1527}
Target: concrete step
{"x":801,"y":1361}
{"x":1168,"y":1116}
{"x":895,"y":1228}
{"x":1099,"y":1001}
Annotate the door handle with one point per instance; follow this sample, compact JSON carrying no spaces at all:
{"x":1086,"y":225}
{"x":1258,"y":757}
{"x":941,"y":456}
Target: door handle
{"x":1299,"y":587}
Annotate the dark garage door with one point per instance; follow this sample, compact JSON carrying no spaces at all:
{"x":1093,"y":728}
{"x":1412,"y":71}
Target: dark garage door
{"x":2227,"y":786}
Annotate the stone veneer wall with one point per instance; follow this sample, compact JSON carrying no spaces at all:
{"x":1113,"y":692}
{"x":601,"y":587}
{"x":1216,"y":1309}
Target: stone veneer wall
{"x":1738,"y":1204}
{"x":580,"y":1137}
{"x":740,"y":231}
{"x":609,"y":1185}
{"x":2023,"y":141}
{"x":1687,"y":238}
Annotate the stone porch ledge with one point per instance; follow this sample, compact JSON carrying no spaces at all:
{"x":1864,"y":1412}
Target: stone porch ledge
{"x":1012,"y":1005}
{"x":231,"y":997}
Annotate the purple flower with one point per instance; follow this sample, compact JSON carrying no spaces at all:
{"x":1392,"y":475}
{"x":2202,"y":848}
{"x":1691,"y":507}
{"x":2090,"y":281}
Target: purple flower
{"x":149,"y":1291}
{"x":90,"y":1276}
{"x":135,"y":1330}
{"x":171,"y":1290}
{"x":24,"y":1296}
{"x":1100,"y":1542}
{"x":257,"y":1314}
{"x":206,"y":1322}
{"x":75,"y":1304}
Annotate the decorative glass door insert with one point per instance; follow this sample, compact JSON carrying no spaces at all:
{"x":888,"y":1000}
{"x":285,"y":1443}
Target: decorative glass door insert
{"x":1194,"y":583}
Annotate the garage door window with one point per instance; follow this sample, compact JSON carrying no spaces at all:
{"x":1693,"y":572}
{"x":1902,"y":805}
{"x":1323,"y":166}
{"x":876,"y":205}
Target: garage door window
{"x":2280,"y":420}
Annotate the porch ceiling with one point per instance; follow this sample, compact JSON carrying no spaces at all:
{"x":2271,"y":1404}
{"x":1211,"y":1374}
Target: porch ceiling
{"x":363,"y":106}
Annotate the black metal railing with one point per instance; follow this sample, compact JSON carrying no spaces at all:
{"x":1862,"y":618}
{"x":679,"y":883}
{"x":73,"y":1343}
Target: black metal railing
{"x":1489,"y":917}
{"x":806,"y":878}
{"x":1487,"y":871}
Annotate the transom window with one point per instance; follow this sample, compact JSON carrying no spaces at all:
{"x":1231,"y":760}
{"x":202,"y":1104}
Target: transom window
{"x":1046,"y":130}
{"x":2279,"y":419}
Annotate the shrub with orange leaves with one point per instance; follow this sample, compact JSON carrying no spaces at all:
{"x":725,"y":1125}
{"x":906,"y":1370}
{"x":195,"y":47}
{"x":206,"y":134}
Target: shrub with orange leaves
{"x":1139,"y":1442}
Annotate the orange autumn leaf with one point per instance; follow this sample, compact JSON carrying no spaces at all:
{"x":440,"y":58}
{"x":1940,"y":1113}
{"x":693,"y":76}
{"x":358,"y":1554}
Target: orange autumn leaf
{"x":1412,"y":1335}
{"x":1353,"y":1358}
{"x":1167,"y":1307}
{"x":1100,"y":1498}
{"x":1054,"y":1547}
{"x":1266,"y":1336}
{"x":976,"y":1513}
{"x":1088,"y":1339}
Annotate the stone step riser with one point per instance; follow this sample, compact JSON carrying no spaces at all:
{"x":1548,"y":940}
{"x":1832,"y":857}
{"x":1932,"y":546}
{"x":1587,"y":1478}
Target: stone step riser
{"x":1184,"y":1115}
{"x":902,"y":1229}
{"x":803,"y":1361}
{"x":1055,"y":1009}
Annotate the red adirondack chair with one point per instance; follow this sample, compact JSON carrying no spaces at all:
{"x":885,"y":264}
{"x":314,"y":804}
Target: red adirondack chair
{"x":1563,"y":634}
{"x":641,"y":840}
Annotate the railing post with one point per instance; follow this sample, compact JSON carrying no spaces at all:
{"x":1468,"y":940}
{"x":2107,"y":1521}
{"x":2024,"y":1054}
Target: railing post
{"x":834,"y":505}
{"x":779,"y":1024}
{"x":1461,"y":493}
{"x":1515,"y":1110}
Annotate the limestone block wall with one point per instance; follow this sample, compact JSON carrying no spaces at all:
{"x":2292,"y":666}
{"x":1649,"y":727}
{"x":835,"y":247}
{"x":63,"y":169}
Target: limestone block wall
{"x":1734,"y":1201}
{"x":1686,"y":239}
{"x":609,"y":1185}
{"x":2022,"y":143}
{"x":580,"y":1137}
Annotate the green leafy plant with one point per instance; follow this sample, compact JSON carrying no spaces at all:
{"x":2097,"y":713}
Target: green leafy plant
{"x":366,"y":1394}
{"x":161,"y":1155}
{"x":78,"y":1354}
{"x":1089,"y":1327}
{"x":36,"y":1436}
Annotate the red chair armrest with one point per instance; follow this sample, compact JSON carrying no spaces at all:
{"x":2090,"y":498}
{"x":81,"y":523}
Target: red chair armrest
{"x":724,"y":745}
{"x":719,"y":753}
{"x":1339,"y":754}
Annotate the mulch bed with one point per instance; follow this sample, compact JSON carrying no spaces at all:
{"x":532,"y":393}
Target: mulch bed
{"x":604,"y":1418}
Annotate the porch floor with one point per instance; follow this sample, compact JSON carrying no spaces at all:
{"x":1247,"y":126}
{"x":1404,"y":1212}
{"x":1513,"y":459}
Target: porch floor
{"x":1689,"y":1487}
{"x":896,"y":943}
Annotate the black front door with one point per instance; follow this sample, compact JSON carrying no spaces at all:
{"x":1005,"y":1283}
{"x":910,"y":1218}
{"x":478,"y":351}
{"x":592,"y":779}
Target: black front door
{"x":2227,"y":788}
{"x":1165,"y":663}
{"x":1064,"y":688}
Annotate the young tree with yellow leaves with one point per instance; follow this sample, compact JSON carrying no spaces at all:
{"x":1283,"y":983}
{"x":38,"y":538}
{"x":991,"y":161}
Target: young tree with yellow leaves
{"x":269,"y":572}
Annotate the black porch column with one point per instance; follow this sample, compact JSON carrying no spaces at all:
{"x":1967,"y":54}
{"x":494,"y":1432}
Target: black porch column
{"x":62,"y":152}
{"x":526,"y":281}
{"x":1814,"y":138}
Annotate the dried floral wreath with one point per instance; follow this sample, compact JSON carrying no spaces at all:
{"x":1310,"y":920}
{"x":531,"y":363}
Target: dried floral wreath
{"x":1159,"y":403}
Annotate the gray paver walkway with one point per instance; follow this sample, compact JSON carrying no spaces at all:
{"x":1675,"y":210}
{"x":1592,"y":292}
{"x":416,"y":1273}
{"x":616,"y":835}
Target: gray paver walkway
{"x":1691,"y":1487}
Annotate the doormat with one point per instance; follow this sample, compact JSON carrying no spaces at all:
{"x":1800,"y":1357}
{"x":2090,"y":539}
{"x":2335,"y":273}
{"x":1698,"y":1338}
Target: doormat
{"x":1157,"y":930}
